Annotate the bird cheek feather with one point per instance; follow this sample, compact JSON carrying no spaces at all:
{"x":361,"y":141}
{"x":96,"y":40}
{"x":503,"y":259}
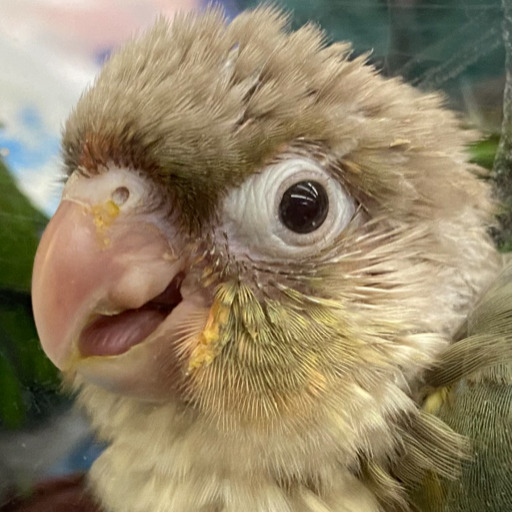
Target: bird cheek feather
{"x":107,"y":275}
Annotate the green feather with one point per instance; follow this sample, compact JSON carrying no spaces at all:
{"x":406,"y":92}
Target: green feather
{"x":473,"y":395}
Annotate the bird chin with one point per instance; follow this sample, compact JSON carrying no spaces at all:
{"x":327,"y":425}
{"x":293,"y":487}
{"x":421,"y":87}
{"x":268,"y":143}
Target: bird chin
{"x":153,"y":367}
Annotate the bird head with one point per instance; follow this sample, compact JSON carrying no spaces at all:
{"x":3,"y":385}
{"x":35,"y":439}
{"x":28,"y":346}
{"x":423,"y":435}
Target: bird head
{"x":260,"y":229}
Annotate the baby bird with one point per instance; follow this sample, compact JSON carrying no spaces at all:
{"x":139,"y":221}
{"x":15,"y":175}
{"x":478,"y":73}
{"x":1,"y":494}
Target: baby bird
{"x":261,"y":246}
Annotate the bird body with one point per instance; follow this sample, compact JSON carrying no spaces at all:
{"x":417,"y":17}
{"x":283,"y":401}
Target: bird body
{"x":261,"y":247}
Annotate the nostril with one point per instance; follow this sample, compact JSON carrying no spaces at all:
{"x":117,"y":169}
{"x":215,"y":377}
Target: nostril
{"x":120,"y":195}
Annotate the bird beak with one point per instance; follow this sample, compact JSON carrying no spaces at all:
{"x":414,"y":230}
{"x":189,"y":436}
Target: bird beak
{"x":107,"y":272}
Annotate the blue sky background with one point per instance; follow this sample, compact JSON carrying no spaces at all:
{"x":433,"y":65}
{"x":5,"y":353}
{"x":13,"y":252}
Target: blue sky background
{"x":46,"y":72}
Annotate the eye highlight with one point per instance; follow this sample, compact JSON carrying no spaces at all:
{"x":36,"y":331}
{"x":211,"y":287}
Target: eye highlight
{"x":304,"y":207}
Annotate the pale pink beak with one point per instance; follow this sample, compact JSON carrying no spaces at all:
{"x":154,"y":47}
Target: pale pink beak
{"x":101,"y":256}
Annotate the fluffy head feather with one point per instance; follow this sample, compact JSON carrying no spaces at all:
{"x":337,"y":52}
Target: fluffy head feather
{"x":314,"y":355}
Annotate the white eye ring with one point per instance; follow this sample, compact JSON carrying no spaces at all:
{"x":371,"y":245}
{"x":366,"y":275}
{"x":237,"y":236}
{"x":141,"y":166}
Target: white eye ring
{"x":251,"y":218}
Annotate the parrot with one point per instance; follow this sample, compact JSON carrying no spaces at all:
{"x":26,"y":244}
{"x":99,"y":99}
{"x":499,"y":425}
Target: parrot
{"x":268,"y":278}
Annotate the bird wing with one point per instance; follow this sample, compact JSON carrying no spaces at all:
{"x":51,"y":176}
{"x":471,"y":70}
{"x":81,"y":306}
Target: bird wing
{"x":471,"y":391}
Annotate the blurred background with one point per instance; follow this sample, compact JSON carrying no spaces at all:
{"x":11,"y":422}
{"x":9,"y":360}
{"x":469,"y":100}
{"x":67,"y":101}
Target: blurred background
{"x":50,"y":50}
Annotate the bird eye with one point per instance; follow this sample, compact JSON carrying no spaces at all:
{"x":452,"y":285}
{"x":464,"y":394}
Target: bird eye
{"x":304,"y":207}
{"x":292,"y":208}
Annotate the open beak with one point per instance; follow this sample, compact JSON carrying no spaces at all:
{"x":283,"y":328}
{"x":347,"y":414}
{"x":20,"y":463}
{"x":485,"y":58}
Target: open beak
{"x":108,"y":277}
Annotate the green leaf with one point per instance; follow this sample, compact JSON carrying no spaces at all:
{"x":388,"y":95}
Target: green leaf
{"x":29,"y":382}
{"x":20,"y":227}
{"x":12,"y":406}
{"x":484,"y":151}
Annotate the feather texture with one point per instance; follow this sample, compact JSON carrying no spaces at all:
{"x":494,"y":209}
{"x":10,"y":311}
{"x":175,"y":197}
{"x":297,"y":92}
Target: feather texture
{"x":299,"y":390}
{"x":472,"y":394}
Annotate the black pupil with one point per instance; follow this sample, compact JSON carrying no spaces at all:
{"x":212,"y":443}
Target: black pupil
{"x":304,"y":207}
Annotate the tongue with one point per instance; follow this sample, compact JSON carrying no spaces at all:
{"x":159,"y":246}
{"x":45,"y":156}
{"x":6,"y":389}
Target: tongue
{"x":114,"y":335}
